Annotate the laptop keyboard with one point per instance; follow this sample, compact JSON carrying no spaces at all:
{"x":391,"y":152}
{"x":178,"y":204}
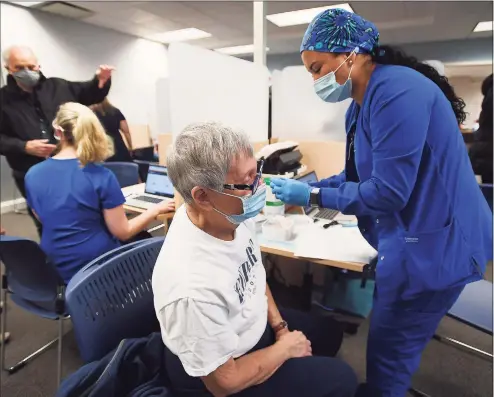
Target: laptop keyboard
{"x":326,"y":213}
{"x":148,"y":199}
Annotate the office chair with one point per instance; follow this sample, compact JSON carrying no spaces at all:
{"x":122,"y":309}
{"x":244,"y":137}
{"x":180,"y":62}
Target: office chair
{"x":35,"y":286}
{"x":111,"y":298}
{"x":144,"y":154}
{"x":473,"y":308}
{"x":127,"y":173}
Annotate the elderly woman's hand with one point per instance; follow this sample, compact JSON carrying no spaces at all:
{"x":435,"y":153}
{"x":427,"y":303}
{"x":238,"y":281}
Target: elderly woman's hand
{"x":296,"y":344}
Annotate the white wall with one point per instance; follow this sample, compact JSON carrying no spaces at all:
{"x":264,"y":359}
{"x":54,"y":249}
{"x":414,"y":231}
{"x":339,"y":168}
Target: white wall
{"x":205,"y":85}
{"x":73,"y":50}
{"x":468,"y":88}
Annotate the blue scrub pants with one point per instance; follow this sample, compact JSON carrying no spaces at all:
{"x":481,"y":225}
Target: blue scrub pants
{"x":399,"y":332}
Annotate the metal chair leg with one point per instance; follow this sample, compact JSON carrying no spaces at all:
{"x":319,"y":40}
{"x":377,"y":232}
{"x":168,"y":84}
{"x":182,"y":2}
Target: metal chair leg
{"x":3,"y":326}
{"x":417,"y":393}
{"x":464,"y":347}
{"x":60,"y":347}
{"x":13,"y":369}
{"x":25,"y":361}
{"x":460,"y":345}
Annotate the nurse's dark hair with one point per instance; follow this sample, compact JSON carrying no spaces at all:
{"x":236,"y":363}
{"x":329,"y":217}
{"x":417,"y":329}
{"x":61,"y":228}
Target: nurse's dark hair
{"x":387,"y":55}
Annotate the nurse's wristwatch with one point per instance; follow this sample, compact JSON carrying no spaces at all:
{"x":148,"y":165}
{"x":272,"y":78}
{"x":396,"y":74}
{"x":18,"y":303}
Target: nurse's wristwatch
{"x":314,"y":199}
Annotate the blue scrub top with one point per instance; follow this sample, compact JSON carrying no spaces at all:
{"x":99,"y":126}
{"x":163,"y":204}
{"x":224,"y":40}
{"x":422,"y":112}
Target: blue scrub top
{"x":417,"y":200}
{"x":69,"y":201}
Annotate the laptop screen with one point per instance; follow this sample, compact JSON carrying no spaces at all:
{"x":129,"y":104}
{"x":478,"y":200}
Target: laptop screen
{"x":308,"y":178}
{"x":158,"y":182}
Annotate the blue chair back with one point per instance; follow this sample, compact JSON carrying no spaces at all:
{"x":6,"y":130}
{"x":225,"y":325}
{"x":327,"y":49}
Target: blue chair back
{"x":487,"y":190}
{"x":127,"y":173}
{"x":111,"y":298}
{"x":30,"y":276}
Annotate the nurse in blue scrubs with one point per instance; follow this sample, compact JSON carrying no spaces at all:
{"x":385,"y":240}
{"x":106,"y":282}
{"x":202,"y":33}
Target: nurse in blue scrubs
{"x":408,"y":180}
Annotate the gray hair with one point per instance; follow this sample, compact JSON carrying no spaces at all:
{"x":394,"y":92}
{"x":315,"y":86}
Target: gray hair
{"x":6,"y":54}
{"x":202,"y":154}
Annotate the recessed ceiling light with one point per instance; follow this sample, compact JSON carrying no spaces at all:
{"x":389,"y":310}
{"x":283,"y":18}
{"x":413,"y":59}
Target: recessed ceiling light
{"x":179,"y":35}
{"x":301,"y":17}
{"x":483,"y":26}
{"x":238,"y":50}
{"x":27,"y":3}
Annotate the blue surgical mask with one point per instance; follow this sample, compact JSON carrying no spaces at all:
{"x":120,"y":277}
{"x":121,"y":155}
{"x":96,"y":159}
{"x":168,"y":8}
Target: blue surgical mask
{"x":328,"y":88}
{"x":252,"y":205}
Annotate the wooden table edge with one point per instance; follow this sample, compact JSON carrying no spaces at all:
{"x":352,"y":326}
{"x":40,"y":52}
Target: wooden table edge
{"x":353,"y":266}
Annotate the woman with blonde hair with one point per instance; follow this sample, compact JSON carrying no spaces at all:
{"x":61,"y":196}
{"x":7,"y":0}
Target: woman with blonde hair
{"x":79,"y":202}
{"x":115,"y":126}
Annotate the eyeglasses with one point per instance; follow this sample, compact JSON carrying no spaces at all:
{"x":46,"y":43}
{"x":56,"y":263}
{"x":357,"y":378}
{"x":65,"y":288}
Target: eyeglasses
{"x":253,"y":187}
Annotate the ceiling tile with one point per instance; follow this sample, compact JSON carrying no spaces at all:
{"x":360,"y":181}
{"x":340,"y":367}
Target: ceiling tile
{"x":230,"y":22}
{"x":117,"y":24}
{"x":104,"y":6}
{"x":179,"y":12}
{"x":276,"y":7}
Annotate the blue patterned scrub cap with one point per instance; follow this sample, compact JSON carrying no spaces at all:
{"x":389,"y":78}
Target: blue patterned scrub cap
{"x":338,"y":31}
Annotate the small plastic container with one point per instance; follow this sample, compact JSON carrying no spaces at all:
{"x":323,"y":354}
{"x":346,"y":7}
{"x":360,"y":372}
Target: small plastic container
{"x":273,"y":206}
{"x":278,"y":228}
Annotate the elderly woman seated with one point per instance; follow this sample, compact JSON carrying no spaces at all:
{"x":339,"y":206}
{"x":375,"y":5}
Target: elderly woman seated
{"x":223,"y":332}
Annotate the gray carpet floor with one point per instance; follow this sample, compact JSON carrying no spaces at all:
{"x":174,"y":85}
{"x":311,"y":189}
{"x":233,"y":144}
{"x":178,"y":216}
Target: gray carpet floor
{"x":444,"y":371}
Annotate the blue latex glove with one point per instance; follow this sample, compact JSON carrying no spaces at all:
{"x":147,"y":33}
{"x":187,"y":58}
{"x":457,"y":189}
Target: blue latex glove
{"x":291,"y":191}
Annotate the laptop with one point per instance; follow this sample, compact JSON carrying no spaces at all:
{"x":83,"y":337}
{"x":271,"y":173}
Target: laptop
{"x":158,"y":188}
{"x":325,"y":214}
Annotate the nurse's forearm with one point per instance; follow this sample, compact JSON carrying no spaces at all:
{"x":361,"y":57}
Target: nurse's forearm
{"x":333,"y":181}
{"x":371,"y":197}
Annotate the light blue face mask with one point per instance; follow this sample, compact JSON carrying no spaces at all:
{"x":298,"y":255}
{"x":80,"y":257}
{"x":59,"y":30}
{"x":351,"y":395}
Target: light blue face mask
{"x":252,"y":205}
{"x":328,"y":89}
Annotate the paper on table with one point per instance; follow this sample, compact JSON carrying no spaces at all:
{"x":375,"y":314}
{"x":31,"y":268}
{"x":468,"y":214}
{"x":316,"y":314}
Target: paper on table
{"x":335,"y":243}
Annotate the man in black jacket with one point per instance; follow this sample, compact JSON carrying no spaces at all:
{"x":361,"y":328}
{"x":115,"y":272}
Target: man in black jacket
{"x":29,"y":103}
{"x":480,"y":152}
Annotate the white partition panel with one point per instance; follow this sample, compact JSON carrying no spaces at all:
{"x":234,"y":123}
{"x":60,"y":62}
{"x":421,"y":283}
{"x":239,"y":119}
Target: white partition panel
{"x":298,"y":113}
{"x":208,"y":86}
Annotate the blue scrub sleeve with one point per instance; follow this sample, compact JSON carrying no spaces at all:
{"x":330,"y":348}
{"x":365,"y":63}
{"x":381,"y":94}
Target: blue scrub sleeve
{"x":333,"y":181}
{"x":399,"y":120}
{"x":110,"y":193}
